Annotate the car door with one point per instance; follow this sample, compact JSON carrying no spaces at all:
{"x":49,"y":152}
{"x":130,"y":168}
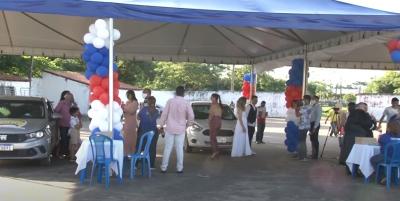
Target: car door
{"x":53,"y":125}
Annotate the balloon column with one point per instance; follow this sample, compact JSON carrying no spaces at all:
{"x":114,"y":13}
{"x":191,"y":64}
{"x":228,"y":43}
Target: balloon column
{"x":247,"y":85}
{"x":394,"y":49}
{"x":293,"y":92}
{"x":96,"y":57}
{"x":294,"y":84}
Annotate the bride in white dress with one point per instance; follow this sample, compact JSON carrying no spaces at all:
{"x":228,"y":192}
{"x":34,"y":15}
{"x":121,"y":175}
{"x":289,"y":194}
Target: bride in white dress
{"x":241,"y":145}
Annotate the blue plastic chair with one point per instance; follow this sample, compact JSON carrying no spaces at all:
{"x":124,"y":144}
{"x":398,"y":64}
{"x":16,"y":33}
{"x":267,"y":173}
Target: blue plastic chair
{"x":101,"y":158}
{"x":142,"y":154}
{"x":391,"y":162}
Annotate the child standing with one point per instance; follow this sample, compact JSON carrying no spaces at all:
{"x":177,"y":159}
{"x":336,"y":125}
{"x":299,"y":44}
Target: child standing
{"x":74,"y":132}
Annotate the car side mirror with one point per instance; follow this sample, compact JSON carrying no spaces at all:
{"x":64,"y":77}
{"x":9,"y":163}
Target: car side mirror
{"x":56,"y":116}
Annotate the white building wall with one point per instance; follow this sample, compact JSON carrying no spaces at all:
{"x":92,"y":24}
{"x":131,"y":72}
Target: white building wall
{"x":21,"y":88}
{"x":275,"y":102}
{"x":51,"y":86}
{"x":376,"y":103}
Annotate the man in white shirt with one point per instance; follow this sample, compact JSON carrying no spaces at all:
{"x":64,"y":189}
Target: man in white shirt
{"x":391,"y":111}
{"x":316,"y":113}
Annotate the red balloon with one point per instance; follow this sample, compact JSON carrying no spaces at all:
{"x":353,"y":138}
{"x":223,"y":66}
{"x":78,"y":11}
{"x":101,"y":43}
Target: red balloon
{"x":398,"y":45}
{"x":116,"y":93}
{"x":116,"y":84}
{"x":95,"y":80}
{"x":92,"y":97}
{"x":118,"y":100}
{"x":104,"y":98}
{"x":115,"y":74}
{"x":392,"y":44}
{"x":97,"y":91}
{"x":104,"y":83}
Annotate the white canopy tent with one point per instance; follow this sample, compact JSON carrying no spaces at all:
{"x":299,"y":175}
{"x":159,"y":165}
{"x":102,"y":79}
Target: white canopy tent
{"x":268,"y":48}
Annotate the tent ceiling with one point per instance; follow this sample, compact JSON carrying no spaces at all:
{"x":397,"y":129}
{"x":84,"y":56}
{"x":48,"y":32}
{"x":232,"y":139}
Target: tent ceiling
{"x":268,"y":33}
{"x":57,"y":35}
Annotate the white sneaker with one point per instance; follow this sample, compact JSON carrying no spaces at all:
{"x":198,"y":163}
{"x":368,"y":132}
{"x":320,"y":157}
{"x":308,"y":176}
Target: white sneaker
{"x":253,"y":153}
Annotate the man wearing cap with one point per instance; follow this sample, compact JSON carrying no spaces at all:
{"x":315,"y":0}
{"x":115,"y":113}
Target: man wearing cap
{"x":334,"y":117}
{"x":390,"y":111}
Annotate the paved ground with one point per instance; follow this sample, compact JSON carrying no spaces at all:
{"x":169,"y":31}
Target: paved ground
{"x":270,"y":175}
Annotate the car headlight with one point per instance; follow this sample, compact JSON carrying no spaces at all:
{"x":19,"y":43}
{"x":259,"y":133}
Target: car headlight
{"x":38,"y":134}
{"x":196,"y":127}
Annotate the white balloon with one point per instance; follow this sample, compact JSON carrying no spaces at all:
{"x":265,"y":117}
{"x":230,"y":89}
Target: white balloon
{"x":92,"y":125}
{"x":116,"y":34}
{"x":100,"y":24}
{"x":118,"y":126}
{"x":103,"y":33}
{"x":92,"y":29}
{"x":91,"y":113}
{"x":102,"y":114}
{"x":88,"y":38}
{"x":103,"y":126}
{"x":98,"y":43}
{"x":116,"y":117}
{"x":107,"y":43}
{"x":97,"y":105}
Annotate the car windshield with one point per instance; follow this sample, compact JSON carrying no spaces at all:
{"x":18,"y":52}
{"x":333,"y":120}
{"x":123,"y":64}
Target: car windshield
{"x":201,"y":112}
{"x":22,"y":109}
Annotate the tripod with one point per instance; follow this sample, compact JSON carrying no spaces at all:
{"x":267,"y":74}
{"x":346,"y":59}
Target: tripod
{"x":326,"y":139}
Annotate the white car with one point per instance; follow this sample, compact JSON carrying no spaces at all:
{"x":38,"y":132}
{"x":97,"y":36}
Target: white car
{"x":198,"y":135}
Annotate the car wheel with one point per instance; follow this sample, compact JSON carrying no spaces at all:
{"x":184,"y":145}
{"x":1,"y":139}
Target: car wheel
{"x":46,"y":161}
{"x":187,"y":147}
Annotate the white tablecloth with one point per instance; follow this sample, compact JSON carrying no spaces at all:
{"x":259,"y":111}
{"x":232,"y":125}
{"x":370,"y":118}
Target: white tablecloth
{"x":84,"y":155}
{"x":361,"y":155}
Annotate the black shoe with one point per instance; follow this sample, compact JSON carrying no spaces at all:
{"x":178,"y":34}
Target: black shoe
{"x":179,"y":172}
{"x":257,"y":142}
{"x":262,"y":142}
{"x":163,"y":171}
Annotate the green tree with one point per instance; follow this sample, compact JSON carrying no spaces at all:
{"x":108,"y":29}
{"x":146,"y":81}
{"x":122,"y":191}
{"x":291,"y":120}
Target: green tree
{"x":350,"y":98}
{"x":266,"y":82}
{"x":320,"y":89}
{"x":192,"y":76}
{"x":138,"y":73}
{"x":388,"y":83}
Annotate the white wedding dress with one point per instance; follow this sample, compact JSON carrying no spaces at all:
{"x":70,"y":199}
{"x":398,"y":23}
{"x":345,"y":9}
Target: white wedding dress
{"x":240,"y":144}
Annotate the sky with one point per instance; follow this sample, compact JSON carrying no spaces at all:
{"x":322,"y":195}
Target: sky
{"x":332,"y":75}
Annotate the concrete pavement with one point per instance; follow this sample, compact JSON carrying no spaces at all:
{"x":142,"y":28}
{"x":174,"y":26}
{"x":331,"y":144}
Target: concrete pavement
{"x":272,"y":174}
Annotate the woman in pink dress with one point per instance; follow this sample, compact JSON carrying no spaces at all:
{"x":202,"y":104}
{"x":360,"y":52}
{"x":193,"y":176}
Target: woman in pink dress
{"x":130,"y":123}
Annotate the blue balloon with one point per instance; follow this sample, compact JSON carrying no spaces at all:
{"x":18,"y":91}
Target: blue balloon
{"x":395,"y":55}
{"x":86,"y":57}
{"x":90,"y":49}
{"x":247,"y":77}
{"x":88,"y":74}
{"x":104,"y":51}
{"x":102,"y":71}
{"x":117,"y":135}
{"x":92,"y":66}
{"x":115,"y":67}
{"x":105,"y":61}
{"x":94,"y":131}
{"x":96,"y":58}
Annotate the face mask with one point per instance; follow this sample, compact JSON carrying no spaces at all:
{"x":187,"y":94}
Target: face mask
{"x":144,"y":95}
{"x":313,"y":102}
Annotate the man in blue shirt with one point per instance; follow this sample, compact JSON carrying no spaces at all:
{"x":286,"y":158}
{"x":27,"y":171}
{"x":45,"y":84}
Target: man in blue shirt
{"x":316,"y":114}
{"x":304,"y":126}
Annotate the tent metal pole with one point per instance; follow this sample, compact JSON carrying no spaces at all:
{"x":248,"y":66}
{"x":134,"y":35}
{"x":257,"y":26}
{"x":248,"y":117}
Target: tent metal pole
{"x":252,"y":81}
{"x":233,"y":78}
{"x":305,"y":71}
{"x":30,"y":75}
{"x":110,"y":75}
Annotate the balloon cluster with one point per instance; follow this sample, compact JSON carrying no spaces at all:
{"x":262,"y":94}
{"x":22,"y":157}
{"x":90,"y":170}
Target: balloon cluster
{"x":394,"y":49}
{"x":96,"y":57}
{"x":294,"y":84}
{"x":292,"y":135}
{"x":246,"y":86}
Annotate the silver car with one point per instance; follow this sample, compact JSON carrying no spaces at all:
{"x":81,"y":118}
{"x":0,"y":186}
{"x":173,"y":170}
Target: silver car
{"x":27,"y":128}
{"x":198,"y":135}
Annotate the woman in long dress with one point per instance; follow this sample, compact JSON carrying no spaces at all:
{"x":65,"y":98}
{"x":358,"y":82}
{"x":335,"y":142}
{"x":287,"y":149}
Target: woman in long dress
{"x":241,"y":145}
{"x":214,"y":122}
{"x":130,"y":124}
